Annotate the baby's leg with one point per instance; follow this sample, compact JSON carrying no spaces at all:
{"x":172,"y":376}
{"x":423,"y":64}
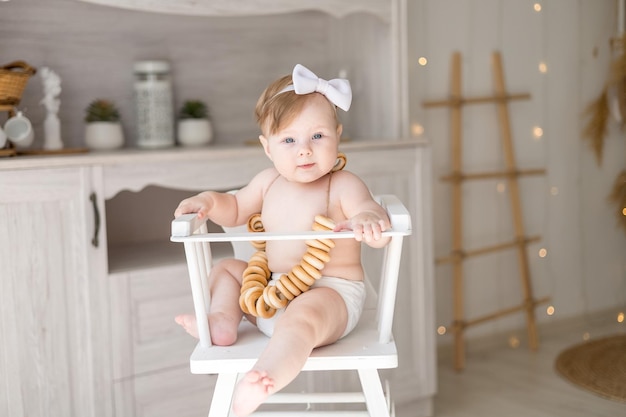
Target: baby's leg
{"x":225,"y":314}
{"x":315,"y":318}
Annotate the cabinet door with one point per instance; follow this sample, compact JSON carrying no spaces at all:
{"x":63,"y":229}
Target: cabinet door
{"x":151,"y":352}
{"x":52,"y":336}
{"x":408,"y":177}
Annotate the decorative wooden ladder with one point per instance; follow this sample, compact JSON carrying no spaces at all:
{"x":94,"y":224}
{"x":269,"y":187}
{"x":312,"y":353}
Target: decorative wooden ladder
{"x":511,"y":173}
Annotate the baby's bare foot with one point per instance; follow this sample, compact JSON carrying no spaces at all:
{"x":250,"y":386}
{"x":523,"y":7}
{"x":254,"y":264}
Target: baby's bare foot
{"x":251,"y":392}
{"x":188,"y":322}
{"x":223,"y":327}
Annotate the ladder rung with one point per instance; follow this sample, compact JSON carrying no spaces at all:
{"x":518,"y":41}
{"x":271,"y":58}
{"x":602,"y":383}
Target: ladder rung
{"x":458,"y":256}
{"x":459,"y":176}
{"x":505,"y":312}
{"x":459,"y":101}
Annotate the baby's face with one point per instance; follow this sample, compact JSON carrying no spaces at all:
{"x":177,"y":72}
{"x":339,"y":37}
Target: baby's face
{"x":306,"y":149}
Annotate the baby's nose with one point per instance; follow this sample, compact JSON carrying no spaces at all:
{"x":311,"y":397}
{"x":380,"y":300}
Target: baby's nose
{"x":305,"y":149}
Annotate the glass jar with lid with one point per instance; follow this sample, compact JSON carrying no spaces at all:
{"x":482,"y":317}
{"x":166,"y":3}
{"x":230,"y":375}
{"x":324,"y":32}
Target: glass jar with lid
{"x":154,"y":104}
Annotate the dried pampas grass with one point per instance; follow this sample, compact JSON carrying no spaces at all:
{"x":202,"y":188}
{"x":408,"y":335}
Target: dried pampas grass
{"x":612,"y":101}
{"x":618,"y":196}
{"x":595,"y":129}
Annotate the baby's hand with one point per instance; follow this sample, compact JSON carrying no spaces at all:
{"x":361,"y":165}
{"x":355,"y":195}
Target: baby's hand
{"x":366,"y":226}
{"x":196,"y":204}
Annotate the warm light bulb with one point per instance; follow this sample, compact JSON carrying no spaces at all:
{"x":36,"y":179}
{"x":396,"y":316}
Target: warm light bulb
{"x":550,"y":310}
{"x":620,"y":317}
{"x":543,"y":68}
{"x":422,"y":61}
{"x":417,"y":129}
{"x":624,"y":211}
{"x":537,"y":132}
{"x":441,"y":330}
{"x":543,"y":252}
{"x":537,"y":7}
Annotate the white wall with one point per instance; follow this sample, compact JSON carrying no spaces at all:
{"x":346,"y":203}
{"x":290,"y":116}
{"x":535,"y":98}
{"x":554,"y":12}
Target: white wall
{"x":585,"y":267}
{"x":226,"y":61}
{"x":93,"y":48}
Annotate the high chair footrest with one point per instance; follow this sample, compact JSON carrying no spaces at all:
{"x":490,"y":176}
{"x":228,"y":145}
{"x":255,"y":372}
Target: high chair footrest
{"x":316,"y":398}
{"x":311,"y":414}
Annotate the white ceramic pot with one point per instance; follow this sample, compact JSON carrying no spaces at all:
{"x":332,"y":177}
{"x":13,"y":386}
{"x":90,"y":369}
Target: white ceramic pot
{"x":104,"y":135}
{"x":194,"y":132}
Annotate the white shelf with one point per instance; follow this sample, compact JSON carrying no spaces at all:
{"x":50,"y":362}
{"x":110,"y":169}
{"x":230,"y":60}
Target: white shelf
{"x":145,"y":255}
{"x":336,"y":8}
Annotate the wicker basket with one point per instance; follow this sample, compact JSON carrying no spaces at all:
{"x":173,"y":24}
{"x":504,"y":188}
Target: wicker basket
{"x":13,"y":79}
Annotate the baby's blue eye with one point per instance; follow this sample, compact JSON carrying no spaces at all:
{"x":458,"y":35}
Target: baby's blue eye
{"x":289,"y":140}
{"x":317,"y":136}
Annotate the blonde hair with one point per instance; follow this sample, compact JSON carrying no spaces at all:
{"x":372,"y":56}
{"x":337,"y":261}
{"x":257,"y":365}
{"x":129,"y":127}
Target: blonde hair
{"x":274,"y":111}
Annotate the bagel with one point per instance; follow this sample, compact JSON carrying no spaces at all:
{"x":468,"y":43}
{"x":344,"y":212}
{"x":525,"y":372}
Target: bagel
{"x":255,"y":224}
{"x":284,"y":291}
{"x":311,"y":270}
{"x":303,"y":276}
{"x":251,"y":296}
{"x":255,"y":268}
{"x":263,"y":310}
{"x":313,"y":261}
{"x":341,"y":162}
{"x":289,"y":286}
{"x":251,"y":284}
{"x":262,"y":300}
{"x":327,"y":222}
{"x":274,"y":298}
{"x":262,"y":265}
{"x":319,"y":244}
{"x":297,"y":282}
{"x":319,"y":254}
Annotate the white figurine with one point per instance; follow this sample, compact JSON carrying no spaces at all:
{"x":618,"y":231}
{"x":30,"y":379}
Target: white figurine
{"x":51,"y":125}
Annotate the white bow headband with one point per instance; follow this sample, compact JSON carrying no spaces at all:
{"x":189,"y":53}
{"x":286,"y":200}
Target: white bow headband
{"x":337,"y":91}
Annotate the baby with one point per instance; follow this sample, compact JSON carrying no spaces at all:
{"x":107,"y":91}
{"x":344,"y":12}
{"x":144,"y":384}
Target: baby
{"x":300,"y":135}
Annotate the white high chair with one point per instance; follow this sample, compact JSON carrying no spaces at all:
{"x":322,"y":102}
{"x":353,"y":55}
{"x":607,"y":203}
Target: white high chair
{"x":369,"y":347}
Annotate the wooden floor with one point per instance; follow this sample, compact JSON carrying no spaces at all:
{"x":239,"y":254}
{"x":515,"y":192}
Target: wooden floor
{"x":506,"y":382}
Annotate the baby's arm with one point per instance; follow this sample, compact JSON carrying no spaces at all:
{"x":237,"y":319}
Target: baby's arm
{"x":364,"y":215}
{"x":228,"y":209}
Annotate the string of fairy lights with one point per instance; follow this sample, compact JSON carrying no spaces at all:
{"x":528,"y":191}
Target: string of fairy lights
{"x":537,"y":134}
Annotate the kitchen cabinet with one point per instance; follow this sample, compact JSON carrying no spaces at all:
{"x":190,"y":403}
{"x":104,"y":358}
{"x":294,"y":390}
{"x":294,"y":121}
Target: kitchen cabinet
{"x":228,"y":51}
{"x":89,"y":331}
{"x":53,"y":293}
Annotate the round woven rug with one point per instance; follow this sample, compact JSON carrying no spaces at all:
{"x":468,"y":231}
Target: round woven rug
{"x":598,"y":366}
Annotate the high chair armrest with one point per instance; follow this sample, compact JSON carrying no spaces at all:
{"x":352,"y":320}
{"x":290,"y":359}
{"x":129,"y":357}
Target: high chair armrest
{"x":399,"y":215}
{"x":186,"y":225}
{"x":183,"y":227}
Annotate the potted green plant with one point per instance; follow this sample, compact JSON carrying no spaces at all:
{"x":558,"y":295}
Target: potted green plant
{"x":103,"y":125}
{"x":194,"y":127}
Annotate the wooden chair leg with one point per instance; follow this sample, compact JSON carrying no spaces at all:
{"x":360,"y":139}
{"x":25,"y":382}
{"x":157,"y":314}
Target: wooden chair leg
{"x":374,"y":396}
{"x":223,"y":395}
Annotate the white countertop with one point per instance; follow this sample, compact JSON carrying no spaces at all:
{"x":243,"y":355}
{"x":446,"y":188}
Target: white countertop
{"x":135,"y":155}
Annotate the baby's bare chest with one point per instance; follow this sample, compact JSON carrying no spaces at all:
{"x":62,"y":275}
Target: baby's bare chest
{"x":289,"y":208}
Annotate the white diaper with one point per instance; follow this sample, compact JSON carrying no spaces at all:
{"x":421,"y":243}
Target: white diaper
{"x":352,"y":292}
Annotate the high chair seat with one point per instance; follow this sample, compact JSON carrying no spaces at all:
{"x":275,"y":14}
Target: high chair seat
{"x":369,"y":347}
{"x":359,"y":349}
